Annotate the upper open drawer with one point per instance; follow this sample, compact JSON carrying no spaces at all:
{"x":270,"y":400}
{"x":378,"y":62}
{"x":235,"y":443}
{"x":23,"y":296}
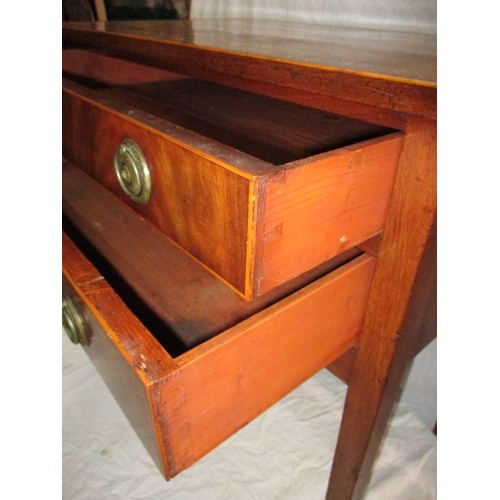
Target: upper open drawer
{"x":257,"y":189}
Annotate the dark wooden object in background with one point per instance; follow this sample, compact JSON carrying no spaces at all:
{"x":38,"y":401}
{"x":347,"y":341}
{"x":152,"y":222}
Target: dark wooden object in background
{"x":77,"y":10}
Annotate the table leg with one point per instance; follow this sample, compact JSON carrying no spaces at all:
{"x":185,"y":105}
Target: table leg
{"x":374,"y":387}
{"x":403,"y":287}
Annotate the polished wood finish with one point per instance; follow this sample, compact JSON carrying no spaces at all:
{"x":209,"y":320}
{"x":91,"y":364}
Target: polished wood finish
{"x":203,"y":206}
{"x":99,"y":68}
{"x":381,"y":77}
{"x":272,"y":130}
{"x":245,"y":217}
{"x":389,"y":70}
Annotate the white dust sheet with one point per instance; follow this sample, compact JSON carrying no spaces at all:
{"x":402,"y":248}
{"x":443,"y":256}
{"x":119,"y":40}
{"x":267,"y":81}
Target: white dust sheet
{"x":285,"y":453}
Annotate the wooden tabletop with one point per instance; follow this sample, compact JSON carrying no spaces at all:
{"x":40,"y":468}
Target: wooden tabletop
{"x":406,"y":56}
{"x":388,"y":69}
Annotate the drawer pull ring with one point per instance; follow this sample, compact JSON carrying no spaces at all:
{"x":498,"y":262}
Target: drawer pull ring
{"x":132,"y":171}
{"x":72,"y":321}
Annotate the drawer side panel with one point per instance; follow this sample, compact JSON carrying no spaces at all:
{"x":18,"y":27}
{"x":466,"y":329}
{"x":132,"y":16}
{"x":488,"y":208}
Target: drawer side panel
{"x":318,"y":209}
{"x":226,"y":382}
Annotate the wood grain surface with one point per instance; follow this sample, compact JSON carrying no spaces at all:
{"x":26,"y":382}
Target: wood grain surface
{"x":391,"y":70}
{"x":257,"y":362}
{"x":270,"y":129}
{"x":199,"y":204}
{"x":390,"y":334}
{"x":316,"y":209}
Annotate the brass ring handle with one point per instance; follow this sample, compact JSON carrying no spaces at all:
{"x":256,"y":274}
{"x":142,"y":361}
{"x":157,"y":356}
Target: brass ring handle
{"x":72,"y":321}
{"x":132,"y":171}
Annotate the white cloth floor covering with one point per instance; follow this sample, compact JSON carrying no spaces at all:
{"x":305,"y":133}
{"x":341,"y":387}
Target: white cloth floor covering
{"x":285,"y":453}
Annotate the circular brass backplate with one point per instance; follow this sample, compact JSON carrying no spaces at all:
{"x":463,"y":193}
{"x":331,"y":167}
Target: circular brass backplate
{"x":72,"y":321}
{"x":132,"y":171}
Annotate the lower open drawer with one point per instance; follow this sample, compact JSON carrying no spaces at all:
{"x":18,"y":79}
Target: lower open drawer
{"x":183,"y":398}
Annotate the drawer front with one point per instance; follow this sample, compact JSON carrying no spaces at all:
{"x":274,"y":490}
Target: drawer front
{"x":183,"y":407}
{"x":201,"y":205}
{"x":253,"y":224}
{"x":116,"y":356}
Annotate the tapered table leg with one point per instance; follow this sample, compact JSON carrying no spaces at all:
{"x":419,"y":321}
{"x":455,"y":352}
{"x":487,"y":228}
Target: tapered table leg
{"x":403,"y":290}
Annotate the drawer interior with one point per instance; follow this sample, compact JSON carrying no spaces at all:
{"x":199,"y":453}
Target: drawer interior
{"x":266,"y":128}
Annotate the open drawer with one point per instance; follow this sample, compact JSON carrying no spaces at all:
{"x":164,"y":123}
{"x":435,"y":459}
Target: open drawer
{"x":189,"y":360}
{"x":257,"y":189}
